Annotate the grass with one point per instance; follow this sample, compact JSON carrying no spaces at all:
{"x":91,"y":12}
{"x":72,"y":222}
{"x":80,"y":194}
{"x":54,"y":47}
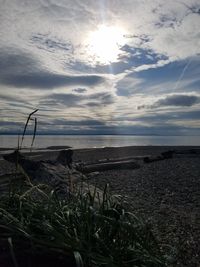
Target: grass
{"x":38,"y":229}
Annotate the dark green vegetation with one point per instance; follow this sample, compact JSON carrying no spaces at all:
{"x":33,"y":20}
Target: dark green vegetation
{"x":38,"y":229}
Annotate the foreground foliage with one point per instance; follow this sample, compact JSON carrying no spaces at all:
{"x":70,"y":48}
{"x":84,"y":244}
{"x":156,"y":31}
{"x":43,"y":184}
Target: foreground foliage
{"x":38,"y":229}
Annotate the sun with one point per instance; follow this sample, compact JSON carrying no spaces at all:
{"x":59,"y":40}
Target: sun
{"x":104,"y":44}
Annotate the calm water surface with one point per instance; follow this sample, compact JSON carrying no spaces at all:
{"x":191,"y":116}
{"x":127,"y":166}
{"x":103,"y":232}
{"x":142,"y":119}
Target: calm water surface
{"x":88,"y":141}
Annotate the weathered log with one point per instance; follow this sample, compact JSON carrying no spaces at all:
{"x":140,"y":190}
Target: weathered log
{"x":58,"y":147}
{"x":107,"y":160}
{"x":65,"y":157}
{"x":164,"y":155}
{"x":153,"y":159}
{"x":57,"y":174}
{"x":168,"y":154}
{"x":64,"y":179}
{"x":193,"y":151}
{"x":129,"y":164}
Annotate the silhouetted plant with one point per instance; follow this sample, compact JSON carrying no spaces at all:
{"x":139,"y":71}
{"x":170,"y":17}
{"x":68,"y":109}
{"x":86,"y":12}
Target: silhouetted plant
{"x":25,"y":128}
{"x":75,"y":231}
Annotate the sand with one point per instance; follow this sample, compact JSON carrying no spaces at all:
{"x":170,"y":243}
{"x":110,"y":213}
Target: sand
{"x":165,"y":193}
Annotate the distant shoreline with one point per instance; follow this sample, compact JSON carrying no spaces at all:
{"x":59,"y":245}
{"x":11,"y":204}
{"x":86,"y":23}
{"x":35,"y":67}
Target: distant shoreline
{"x":102,"y":134}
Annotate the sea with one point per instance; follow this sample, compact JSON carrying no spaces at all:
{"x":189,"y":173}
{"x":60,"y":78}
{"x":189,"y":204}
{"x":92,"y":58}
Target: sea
{"x":95,"y":141}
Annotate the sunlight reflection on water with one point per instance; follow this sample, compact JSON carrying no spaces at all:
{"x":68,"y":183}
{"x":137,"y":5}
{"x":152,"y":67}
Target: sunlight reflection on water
{"x":88,"y":141}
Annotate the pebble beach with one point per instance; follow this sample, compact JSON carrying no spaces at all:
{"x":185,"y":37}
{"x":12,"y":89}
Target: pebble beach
{"x":164,"y":193}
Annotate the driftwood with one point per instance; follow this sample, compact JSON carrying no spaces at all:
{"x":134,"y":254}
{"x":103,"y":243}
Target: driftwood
{"x":128,"y":164}
{"x":106,"y":160}
{"x":121,"y":163}
{"x":192,"y":151}
{"x":64,"y":158}
{"x":58,"y":147}
{"x":168,"y":154}
{"x":178,"y":153}
{"x":58,"y":174}
{"x":153,"y":159}
{"x":164,"y":155}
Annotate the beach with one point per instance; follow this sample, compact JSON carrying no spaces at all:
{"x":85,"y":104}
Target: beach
{"x":165,"y":193}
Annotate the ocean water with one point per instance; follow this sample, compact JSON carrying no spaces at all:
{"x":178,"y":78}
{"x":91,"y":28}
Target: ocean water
{"x":89,"y":141}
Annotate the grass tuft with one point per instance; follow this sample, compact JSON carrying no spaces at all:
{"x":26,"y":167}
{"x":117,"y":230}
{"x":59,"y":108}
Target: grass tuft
{"x":73,"y":232}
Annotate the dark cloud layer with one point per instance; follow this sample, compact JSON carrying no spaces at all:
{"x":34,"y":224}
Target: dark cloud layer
{"x":174,"y":100}
{"x":80,"y":90}
{"x":11,"y":98}
{"x":160,"y":118}
{"x":75,"y":100}
{"x":62,"y":126}
{"x":69,"y":100}
{"x":100,"y":99}
{"x":91,"y":122}
{"x":178,"y":100}
{"x":10,"y":123}
{"x":47,"y":80}
{"x":168,"y":129}
{"x":19,"y":69}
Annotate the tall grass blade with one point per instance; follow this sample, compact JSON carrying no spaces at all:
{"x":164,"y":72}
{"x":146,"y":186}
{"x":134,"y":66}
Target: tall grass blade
{"x":12,"y":252}
{"x":78,"y":259}
{"x":18,"y":141}
{"x":25,"y":127}
{"x":34,"y":133}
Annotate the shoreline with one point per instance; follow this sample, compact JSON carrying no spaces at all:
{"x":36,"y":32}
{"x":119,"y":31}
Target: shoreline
{"x":96,"y":153}
{"x":58,"y":148}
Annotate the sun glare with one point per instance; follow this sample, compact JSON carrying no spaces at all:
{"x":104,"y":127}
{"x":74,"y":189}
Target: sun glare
{"x":104,"y":44}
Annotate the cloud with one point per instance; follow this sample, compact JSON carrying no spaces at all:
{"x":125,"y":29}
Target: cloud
{"x":80,"y":100}
{"x":101,"y":99}
{"x":168,"y":129}
{"x":16,"y":62}
{"x":53,"y":44}
{"x":47,"y":80}
{"x":178,"y":100}
{"x":174,"y":100}
{"x":170,"y":79}
{"x":80,"y":90}
{"x":69,"y":100}
{"x":88,"y":122}
{"x":11,"y":123}
{"x":44,"y":46}
{"x":19,"y":69}
{"x":11,"y":98}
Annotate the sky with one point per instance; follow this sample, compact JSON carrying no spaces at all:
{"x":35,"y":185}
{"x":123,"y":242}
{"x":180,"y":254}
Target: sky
{"x":101,"y":66}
